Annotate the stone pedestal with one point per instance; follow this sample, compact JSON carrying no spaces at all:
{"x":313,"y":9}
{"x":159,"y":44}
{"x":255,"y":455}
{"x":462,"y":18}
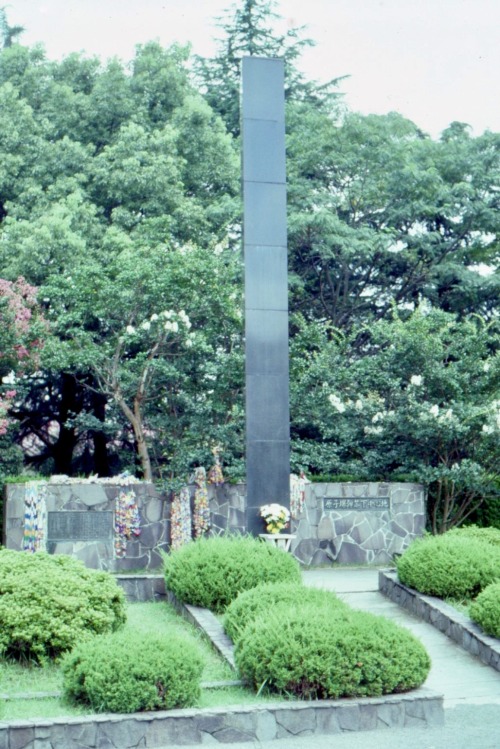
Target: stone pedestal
{"x":280,"y":540}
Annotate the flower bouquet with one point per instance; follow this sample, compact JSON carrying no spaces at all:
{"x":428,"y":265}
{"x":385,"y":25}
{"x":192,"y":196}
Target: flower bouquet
{"x":275,"y":516}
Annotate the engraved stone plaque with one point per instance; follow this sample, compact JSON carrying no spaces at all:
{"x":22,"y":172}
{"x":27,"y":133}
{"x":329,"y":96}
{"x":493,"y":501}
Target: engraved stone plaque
{"x":79,"y":526}
{"x":359,"y":504}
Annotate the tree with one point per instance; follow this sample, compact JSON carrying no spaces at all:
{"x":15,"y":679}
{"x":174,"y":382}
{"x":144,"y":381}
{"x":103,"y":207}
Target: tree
{"x":418,"y":397}
{"x":8,"y":33}
{"x":381,"y":214}
{"x":128,"y":325}
{"x":254,"y":28}
{"x":95,"y":179}
{"x":21,"y":330}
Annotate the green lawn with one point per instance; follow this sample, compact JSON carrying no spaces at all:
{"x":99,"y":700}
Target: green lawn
{"x":159,"y":618}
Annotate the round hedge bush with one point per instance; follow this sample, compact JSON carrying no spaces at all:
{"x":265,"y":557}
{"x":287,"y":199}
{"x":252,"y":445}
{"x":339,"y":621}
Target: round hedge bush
{"x":451,"y":565}
{"x":314,"y":653}
{"x":485,"y":610}
{"x":127,"y":673}
{"x":210,"y":572}
{"x":49,"y":603}
{"x":251,"y":603}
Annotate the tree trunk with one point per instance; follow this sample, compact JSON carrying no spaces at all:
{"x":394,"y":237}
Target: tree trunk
{"x":100,"y":440}
{"x":135,"y":418}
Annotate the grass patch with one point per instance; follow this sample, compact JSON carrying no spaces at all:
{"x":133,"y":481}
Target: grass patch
{"x":147,"y":618}
{"x":460,"y":604}
{"x":39,"y":709}
{"x":227,"y":696}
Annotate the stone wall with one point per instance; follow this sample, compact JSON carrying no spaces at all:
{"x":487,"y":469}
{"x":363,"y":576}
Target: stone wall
{"x":442,"y":616}
{"x":358,"y":523}
{"x":227,"y":507}
{"x":350,"y":523}
{"x":81,"y":519}
{"x":230,"y":724}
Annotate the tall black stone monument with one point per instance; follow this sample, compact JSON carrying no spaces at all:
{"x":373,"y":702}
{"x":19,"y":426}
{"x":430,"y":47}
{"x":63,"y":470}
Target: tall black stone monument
{"x":266,"y":287}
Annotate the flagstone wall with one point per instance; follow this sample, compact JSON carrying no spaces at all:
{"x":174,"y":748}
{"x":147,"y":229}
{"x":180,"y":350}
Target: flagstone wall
{"x":358,"y":523}
{"x":125,"y":527}
{"x":110,"y":525}
{"x":347,"y":523}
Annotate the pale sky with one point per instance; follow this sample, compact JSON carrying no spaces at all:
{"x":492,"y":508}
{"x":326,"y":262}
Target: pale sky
{"x":434,"y":61}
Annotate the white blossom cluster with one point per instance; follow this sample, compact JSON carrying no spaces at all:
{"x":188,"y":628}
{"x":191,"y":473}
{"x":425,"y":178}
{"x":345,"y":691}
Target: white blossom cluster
{"x":494,"y":424}
{"x":427,"y":410}
{"x":169,"y":319}
{"x":337,"y":403}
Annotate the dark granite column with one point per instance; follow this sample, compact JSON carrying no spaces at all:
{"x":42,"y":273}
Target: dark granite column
{"x":266,"y":288}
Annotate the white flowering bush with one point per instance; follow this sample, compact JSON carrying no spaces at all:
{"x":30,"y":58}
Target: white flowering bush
{"x":415,"y":398}
{"x":160,"y":338}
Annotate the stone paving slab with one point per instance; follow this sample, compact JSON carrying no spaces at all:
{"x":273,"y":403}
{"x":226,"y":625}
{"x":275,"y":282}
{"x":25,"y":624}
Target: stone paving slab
{"x":466,"y":727}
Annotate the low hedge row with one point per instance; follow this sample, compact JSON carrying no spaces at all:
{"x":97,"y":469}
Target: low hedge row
{"x":251,"y":603}
{"x":487,"y":535}
{"x":210,"y":572}
{"x":485,"y":610}
{"x":290,"y":639}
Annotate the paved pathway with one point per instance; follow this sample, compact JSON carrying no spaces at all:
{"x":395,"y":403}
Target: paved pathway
{"x":456,"y":674}
{"x":471,"y":689}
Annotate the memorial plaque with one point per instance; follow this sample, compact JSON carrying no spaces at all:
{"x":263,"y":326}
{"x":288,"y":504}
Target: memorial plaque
{"x":359,"y":504}
{"x":79,"y":526}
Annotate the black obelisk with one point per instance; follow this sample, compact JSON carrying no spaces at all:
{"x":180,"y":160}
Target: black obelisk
{"x":266,"y":287}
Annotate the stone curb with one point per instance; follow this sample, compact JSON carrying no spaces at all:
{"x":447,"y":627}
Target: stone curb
{"x":205,"y":621}
{"x":265,"y":722}
{"x":443,"y":617}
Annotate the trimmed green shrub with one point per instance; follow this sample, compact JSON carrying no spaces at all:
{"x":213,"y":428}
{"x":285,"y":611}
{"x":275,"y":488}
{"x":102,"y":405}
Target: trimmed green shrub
{"x":485,"y":610}
{"x":210,"y":572}
{"x":49,"y":603}
{"x":487,"y":535}
{"x":126,"y":672}
{"x":453,"y":565}
{"x":251,"y":603}
{"x":318,"y":653}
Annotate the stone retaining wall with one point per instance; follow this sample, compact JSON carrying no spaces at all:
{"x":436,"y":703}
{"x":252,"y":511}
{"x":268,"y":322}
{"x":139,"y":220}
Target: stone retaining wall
{"x":142,"y":588}
{"x":265,"y":722}
{"x":445,"y":618}
{"x":347,"y":523}
{"x":89,"y":511}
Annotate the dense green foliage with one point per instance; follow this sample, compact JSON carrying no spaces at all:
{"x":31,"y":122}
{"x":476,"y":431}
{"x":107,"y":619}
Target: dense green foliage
{"x":116,"y":202}
{"x":412,"y":394}
{"x":485,"y":535}
{"x":312,"y":652}
{"x":485,"y":610}
{"x":119,"y":201}
{"x":254,"y":28}
{"x":50,"y":603}
{"x":126,"y":673}
{"x":251,"y":603}
{"x":452,"y":565}
{"x":210,"y":572}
